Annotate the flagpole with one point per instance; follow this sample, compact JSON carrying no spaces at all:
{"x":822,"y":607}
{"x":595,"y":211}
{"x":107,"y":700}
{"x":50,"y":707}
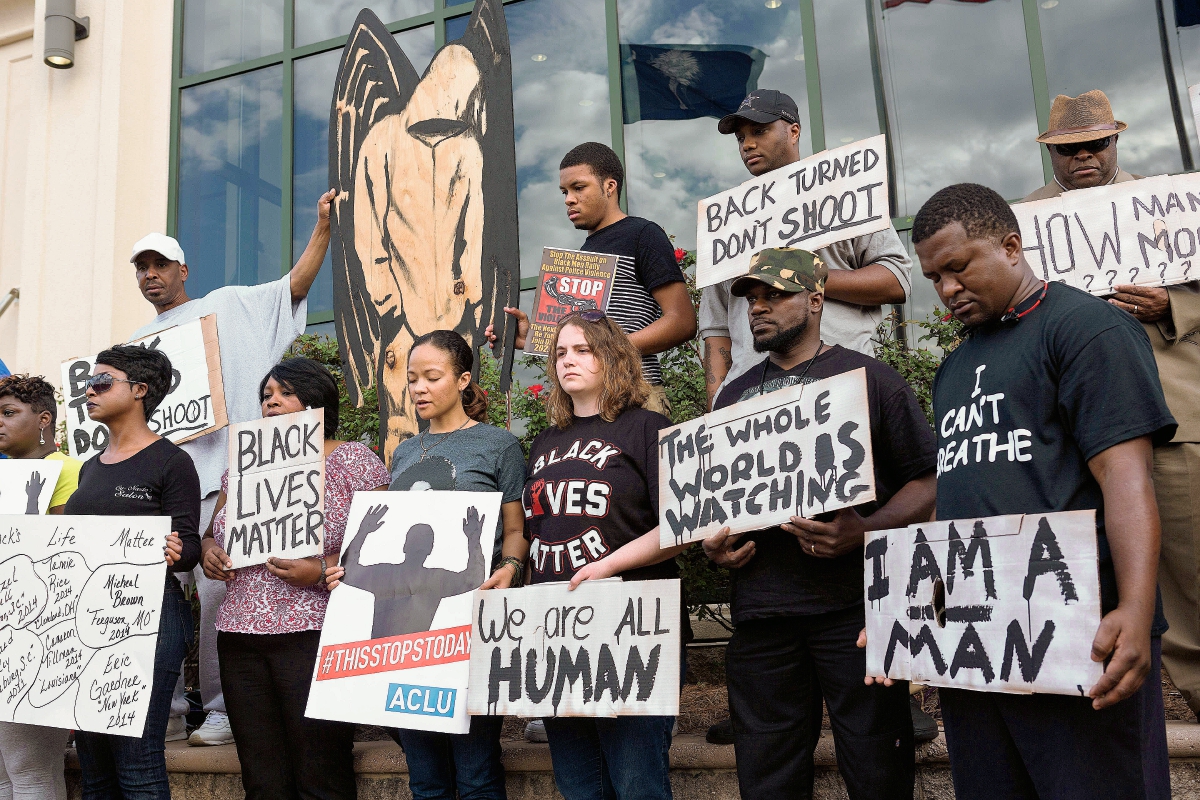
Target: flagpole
{"x":1172,"y":89}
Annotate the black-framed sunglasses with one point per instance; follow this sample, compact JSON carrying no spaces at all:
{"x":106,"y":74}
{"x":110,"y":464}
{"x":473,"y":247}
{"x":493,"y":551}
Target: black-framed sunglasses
{"x":103,"y":382}
{"x":1094,"y":146}
{"x":594,"y":315}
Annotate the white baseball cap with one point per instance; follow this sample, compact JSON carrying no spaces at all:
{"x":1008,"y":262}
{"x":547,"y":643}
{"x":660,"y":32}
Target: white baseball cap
{"x":159,"y":243}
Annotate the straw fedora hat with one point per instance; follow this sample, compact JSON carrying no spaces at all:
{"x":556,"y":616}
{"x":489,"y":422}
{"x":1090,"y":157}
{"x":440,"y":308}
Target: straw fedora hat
{"x":1081,"y":119}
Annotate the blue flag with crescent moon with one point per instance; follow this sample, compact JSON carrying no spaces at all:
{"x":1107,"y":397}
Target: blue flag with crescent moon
{"x":687,"y":81}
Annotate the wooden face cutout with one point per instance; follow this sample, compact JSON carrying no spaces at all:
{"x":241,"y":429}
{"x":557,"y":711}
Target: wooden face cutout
{"x":425,"y":221}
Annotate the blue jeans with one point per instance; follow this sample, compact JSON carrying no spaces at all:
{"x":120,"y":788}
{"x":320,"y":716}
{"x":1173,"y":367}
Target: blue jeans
{"x":621,"y":758}
{"x":124,"y":768}
{"x":441,"y":763}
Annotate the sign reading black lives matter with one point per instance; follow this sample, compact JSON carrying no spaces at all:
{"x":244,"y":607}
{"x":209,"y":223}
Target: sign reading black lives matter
{"x":609,"y":648}
{"x":1144,"y":232}
{"x":1000,"y":604}
{"x":275,"y":507}
{"x":194,"y":406}
{"x":799,"y":451}
{"x":834,"y":195}
{"x":79,"y":608}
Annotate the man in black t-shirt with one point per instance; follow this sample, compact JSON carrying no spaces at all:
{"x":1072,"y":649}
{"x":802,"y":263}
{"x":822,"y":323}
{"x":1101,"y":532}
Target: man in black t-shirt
{"x":1071,"y":406}
{"x":797,"y":596}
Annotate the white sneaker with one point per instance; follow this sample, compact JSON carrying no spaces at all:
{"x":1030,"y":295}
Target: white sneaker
{"x":214,"y":731}
{"x":535,"y":731}
{"x":176,"y":729}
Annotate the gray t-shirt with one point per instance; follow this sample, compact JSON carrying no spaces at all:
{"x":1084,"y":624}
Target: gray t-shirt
{"x":255,"y":325}
{"x":851,"y":326}
{"x":481,"y":458}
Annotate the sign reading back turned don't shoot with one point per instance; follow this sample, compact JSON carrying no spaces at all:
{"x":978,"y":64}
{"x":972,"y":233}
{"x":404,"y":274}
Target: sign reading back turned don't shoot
{"x":275,"y":506}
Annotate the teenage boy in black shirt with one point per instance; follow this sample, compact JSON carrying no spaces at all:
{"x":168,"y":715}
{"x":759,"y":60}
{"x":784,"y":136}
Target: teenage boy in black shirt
{"x":1073,"y":405}
{"x":797,"y":595}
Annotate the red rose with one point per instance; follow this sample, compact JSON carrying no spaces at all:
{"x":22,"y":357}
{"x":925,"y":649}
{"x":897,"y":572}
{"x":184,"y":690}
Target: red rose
{"x":680,"y":254}
{"x":536,"y":389}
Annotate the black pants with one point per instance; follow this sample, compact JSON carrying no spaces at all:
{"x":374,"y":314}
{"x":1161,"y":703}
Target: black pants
{"x":285,"y":755}
{"x":775,"y":668}
{"x":1057,"y":747}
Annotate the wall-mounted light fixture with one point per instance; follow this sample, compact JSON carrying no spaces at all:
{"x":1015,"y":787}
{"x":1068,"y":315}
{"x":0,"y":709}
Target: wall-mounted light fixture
{"x":63,"y":29}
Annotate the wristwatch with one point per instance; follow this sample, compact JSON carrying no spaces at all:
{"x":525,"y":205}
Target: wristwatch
{"x":324,"y":566}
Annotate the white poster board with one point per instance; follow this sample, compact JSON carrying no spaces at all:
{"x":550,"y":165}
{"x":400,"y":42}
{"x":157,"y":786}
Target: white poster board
{"x":275,"y":507}
{"x":609,"y":648}
{"x":27,"y":484}
{"x":79,"y":610}
{"x":999,"y":604}
{"x":396,"y":640}
{"x":799,"y":451}
{"x":828,"y":197}
{"x":194,"y":406}
{"x":1144,"y":232}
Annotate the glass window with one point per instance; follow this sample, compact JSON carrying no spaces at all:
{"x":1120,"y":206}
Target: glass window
{"x":672,"y":163}
{"x":230,"y":173}
{"x":962,"y":110}
{"x":217,"y":33}
{"x":848,"y":102}
{"x":318,"y":20}
{"x":1127,"y":64}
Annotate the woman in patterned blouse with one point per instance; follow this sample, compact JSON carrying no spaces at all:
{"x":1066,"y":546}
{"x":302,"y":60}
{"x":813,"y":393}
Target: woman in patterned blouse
{"x":269,"y":626}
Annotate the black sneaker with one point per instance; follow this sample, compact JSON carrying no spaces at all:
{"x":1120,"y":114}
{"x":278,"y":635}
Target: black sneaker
{"x":721,"y":733}
{"x":925,"y":727}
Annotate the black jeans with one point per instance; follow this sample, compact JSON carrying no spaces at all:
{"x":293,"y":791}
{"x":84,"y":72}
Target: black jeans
{"x":775,"y":667}
{"x":285,"y":755}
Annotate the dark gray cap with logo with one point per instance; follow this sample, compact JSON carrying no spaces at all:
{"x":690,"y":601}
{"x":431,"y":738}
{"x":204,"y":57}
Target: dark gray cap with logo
{"x":762,"y":105}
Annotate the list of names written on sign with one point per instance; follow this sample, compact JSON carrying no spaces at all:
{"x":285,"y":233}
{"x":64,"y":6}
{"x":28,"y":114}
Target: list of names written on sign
{"x":80,"y":599}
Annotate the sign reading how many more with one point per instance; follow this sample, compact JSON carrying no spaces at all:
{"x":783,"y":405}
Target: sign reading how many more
{"x":79,"y":619}
{"x":570,"y":280}
{"x":27,"y":484}
{"x":1144,"y":232}
{"x":609,"y":648}
{"x":834,"y":195}
{"x":999,"y":604}
{"x":275,"y":506}
{"x":799,"y":451}
{"x":194,"y":406}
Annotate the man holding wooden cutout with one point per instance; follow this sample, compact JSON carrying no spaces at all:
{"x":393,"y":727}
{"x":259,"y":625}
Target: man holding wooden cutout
{"x":798,"y":589}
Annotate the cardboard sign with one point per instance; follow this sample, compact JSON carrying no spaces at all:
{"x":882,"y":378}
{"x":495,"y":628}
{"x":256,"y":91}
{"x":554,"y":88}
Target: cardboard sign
{"x":570,"y":280}
{"x":999,"y":604}
{"x":194,"y":406}
{"x":834,"y":195}
{"x":798,"y":451}
{"x":79,"y":620}
{"x":276,"y":501}
{"x":27,"y":484}
{"x":1144,"y":232}
{"x":607,"y":649}
{"x":396,"y":638}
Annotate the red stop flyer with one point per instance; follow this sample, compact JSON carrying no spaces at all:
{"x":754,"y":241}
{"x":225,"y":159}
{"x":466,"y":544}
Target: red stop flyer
{"x":570,"y":280}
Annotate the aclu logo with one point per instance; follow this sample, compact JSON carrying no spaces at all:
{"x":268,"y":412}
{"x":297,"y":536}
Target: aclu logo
{"x":428,"y":701}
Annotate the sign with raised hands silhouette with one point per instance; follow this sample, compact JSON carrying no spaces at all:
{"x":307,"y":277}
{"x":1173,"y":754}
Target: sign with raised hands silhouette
{"x":27,"y":484}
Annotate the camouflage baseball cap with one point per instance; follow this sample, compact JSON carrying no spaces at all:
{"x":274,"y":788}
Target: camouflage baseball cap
{"x":787,"y":268}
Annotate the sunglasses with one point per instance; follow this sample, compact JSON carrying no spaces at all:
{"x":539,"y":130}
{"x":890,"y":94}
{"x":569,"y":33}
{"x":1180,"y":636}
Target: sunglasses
{"x":586,"y":316}
{"x":1094,"y":146}
{"x":103,"y":382}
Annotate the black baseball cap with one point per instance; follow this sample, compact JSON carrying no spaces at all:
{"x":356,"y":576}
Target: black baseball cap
{"x":763,"y":105}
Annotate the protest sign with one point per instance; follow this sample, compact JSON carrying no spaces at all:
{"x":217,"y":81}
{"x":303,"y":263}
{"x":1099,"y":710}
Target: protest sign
{"x":1144,"y":232}
{"x":812,"y":203}
{"x":27,"y":484}
{"x":275,"y":507}
{"x":397,"y":633}
{"x":798,"y":451}
{"x":609,"y":648}
{"x":999,"y":604}
{"x":194,"y":406}
{"x":570,"y":280}
{"x":79,"y":604}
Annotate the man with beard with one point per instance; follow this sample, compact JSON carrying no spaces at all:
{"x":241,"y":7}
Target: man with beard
{"x":797,"y":590}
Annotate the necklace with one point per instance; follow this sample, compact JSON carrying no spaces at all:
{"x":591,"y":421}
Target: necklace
{"x":803,"y":375}
{"x":425,"y":450}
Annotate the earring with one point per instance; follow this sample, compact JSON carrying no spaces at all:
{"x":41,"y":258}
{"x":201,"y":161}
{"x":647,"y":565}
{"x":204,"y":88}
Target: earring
{"x":41,"y":436}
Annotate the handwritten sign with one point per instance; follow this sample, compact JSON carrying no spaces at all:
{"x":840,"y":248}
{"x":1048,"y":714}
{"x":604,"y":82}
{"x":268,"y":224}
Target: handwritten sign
{"x":27,"y":484}
{"x":570,"y":280}
{"x":1144,"y":232}
{"x":999,"y":604}
{"x":194,"y":406}
{"x":798,"y":451}
{"x":609,"y":648}
{"x":825,"y":198}
{"x":79,"y":603}
{"x":396,"y":638}
{"x":276,"y":502}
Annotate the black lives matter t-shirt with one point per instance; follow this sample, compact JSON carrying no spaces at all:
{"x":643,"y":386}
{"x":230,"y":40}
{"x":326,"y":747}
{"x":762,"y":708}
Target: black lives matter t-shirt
{"x":591,"y":489}
{"x":782,"y":579}
{"x":1020,"y":408}
{"x":645,"y":261}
